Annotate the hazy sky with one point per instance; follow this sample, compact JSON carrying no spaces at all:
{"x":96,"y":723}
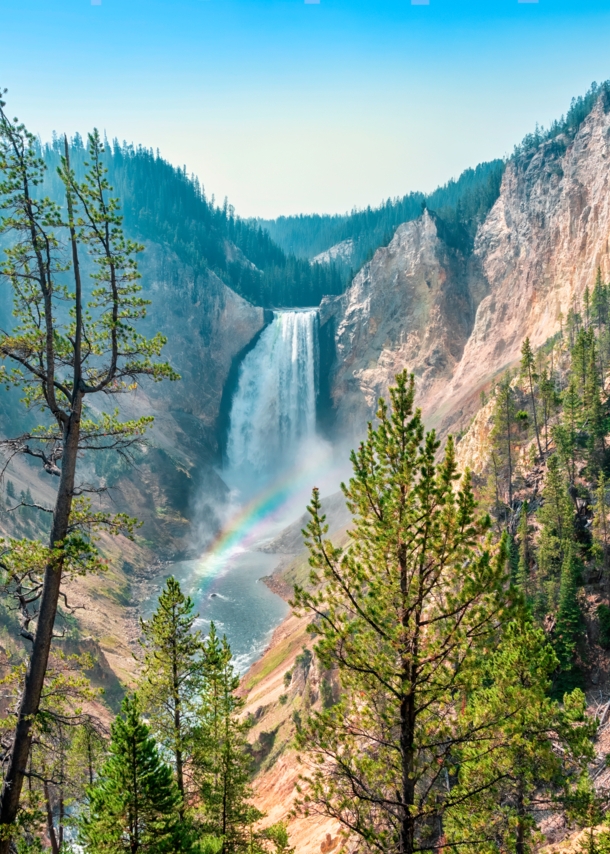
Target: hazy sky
{"x":287,"y":106}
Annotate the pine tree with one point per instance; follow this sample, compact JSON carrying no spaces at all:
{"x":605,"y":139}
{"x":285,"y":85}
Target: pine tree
{"x":526,"y":773}
{"x":76,"y":333}
{"x":556,"y":518}
{"x":568,"y":625}
{"x":586,"y":302}
{"x":599,"y":305}
{"x":171,"y":676}
{"x":403,"y":615}
{"x":528,"y":372}
{"x":573,"y":327}
{"x":88,"y":750}
{"x":566,"y":433}
{"x":548,"y":397}
{"x":134,"y":804}
{"x":601,"y":531}
{"x":581,"y":359}
{"x":593,"y":414}
{"x":221,"y":759}
{"x":503,"y":432}
{"x":523,"y":567}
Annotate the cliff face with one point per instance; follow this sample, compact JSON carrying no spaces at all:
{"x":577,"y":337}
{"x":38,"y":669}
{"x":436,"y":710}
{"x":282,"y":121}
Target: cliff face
{"x":457,"y":321}
{"x":207,"y":325}
{"x":413,"y":305}
{"x":175,"y":481}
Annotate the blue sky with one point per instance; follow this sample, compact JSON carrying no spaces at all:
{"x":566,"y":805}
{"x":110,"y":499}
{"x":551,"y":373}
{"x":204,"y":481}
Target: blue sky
{"x":289,"y":107}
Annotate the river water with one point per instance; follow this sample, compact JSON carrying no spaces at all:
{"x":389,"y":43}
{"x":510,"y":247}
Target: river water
{"x":227,"y":590}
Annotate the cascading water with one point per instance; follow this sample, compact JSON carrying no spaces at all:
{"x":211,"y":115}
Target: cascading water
{"x":274,"y":407}
{"x":273,"y":460}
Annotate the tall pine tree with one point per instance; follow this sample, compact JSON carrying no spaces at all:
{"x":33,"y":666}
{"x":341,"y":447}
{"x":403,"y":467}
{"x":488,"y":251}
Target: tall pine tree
{"x":171,"y":677}
{"x":134,"y":805}
{"x":601,"y":531}
{"x":556,"y":518}
{"x":221,"y":759}
{"x":403,"y":615}
{"x":516,"y":770}
{"x":565,"y":434}
{"x":503,"y":434}
{"x":528,"y":372}
{"x":568,"y":626}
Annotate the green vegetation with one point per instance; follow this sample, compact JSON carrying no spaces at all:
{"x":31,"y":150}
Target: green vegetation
{"x":444,"y":729}
{"x":172,"y":675}
{"x":458,"y":207}
{"x":74,"y":335}
{"x":448,"y":651}
{"x":569,"y":125}
{"x":133,"y":804}
{"x":565,"y":540}
{"x":161,"y":203}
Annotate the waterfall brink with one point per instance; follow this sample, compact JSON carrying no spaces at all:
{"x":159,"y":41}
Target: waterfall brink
{"x":274,"y":407}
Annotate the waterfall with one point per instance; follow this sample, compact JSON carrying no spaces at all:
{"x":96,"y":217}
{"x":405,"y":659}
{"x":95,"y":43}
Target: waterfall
{"x":274,"y":406}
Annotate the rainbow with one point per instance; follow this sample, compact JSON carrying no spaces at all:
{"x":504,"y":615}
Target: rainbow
{"x":256,"y":520}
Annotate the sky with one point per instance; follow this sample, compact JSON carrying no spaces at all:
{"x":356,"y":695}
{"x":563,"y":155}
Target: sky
{"x":286,"y":106}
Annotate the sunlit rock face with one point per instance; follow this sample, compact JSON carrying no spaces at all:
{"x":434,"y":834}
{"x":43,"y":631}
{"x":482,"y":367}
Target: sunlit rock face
{"x":456,"y":321}
{"x":413,"y":305}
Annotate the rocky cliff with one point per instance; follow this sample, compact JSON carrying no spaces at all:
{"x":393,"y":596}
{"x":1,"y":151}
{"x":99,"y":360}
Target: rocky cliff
{"x":207,"y":325}
{"x":456,"y":320}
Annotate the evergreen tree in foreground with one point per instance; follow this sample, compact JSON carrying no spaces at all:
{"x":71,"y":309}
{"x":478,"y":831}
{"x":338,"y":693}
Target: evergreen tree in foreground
{"x":404,"y":614}
{"x":172,"y":675}
{"x":221,"y":761}
{"x":134,"y":805}
{"x":515,"y":769}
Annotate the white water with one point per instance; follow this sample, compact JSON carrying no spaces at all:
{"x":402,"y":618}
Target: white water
{"x":273,"y":412}
{"x":274,"y":458}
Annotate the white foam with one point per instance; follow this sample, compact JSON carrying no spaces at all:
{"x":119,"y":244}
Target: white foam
{"x":274,"y":406}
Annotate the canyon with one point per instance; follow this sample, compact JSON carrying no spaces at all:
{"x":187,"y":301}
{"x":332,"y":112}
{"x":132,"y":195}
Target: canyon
{"x":453,"y":315}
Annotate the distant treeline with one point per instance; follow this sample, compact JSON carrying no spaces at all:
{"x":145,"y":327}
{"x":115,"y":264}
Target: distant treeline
{"x":460,"y":205}
{"x":164,"y":204}
{"x":569,"y":125}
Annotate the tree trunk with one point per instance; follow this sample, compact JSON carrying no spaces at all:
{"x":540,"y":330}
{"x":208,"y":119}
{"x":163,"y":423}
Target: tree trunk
{"x":520,"y":847}
{"x":510,"y":458}
{"x":37,"y":666}
{"x":62,"y":816}
{"x":50,"y":825}
{"x":407,"y":825}
{"x":407,"y":722}
{"x":178,"y":727}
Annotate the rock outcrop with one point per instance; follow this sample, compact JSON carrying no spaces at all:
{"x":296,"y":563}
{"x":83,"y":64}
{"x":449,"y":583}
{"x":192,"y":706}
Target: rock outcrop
{"x":457,"y":320}
{"x":413,"y":305}
{"x":342,"y":252}
{"x":207,"y":325}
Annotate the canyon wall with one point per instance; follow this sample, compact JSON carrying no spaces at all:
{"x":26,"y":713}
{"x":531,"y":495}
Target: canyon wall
{"x":207,"y":325}
{"x":458,"y":320}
